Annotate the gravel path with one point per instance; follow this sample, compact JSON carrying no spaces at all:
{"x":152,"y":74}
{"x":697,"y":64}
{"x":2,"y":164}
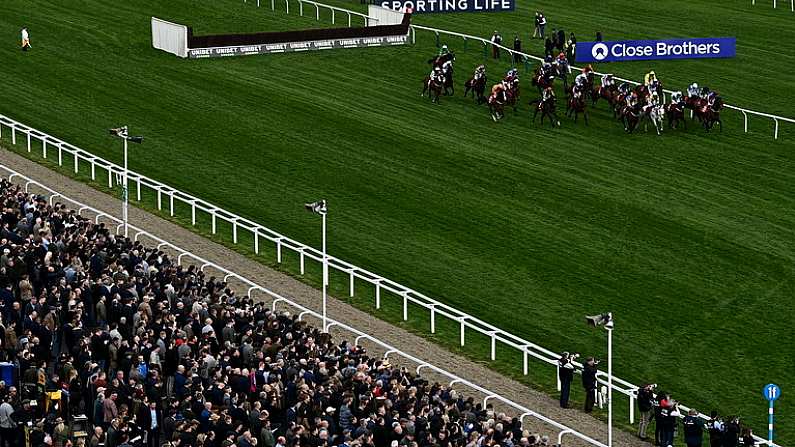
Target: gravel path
{"x":308,"y":296}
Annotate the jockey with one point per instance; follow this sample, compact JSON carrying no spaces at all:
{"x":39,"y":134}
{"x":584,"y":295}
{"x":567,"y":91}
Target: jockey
{"x":607,"y":80}
{"x":711,"y":98}
{"x":437,"y":74}
{"x":654,"y":99}
{"x":511,"y":74}
{"x":547,"y":94}
{"x":649,"y":78}
{"x":632,"y":100}
{"x":704,"y":92}
{"x":480,"y":71}
{"x":587,"y":69}
{"x":692,"y":90}
{"x":676,"y":98}
{"x":576,"y":91}
{"x":447,"y":66}
{"x":623,"y":88}
{"x":563,"y":62}
{"x":581,"y":80}
{"x":443,"y":51}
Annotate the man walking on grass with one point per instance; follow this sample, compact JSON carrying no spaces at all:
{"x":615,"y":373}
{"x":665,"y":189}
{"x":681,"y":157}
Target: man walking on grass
{"x":25,"y":39}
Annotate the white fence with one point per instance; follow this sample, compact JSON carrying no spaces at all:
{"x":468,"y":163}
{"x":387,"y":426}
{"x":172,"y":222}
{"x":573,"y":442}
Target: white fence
{"x":170,"y":37}
{"x":408,"y":296}
{"x":277,"y":299}
{"x":332,"y":9}
{"x":775,"y":4}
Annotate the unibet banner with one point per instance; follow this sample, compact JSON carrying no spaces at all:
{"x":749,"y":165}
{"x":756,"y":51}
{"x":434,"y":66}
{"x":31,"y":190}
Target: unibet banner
{"x":428,"y":6}
{"x":640,"y":50}
{"x":288,"y":47}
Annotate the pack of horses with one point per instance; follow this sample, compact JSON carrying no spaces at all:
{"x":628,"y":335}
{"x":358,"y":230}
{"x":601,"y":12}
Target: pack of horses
{"x":632,"y":106}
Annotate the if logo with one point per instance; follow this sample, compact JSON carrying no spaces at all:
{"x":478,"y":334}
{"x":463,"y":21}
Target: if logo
{"x":599,"y":51}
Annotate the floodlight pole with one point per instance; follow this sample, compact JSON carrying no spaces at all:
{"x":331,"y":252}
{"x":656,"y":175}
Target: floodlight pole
{"x":125,"y":195}
{"x":325,"y":274}
{"x":609,"y":328}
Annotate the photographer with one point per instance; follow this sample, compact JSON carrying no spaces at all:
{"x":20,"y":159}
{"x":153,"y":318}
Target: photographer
{"x":645,"y":406}
{"x":566,"y":375}
{"x":589,"y":383}
{"x":669,"y":412}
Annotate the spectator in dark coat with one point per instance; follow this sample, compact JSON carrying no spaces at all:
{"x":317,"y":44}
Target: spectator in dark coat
{"x":496,"y":39}
{"x":517,"y":46}
{"x":561,"y":39}
{"x":589,"y":384}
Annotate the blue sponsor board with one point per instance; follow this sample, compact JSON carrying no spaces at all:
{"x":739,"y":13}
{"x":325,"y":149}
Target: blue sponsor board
{"x":429,"y":6}
{"x":640,"y":50}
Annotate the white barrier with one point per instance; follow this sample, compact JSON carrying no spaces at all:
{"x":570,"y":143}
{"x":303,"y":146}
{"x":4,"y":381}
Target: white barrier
{"x":170,"y":37}
{"x":379,"y":283}
{"x":276,"y":299}
{"x":775,"y":4}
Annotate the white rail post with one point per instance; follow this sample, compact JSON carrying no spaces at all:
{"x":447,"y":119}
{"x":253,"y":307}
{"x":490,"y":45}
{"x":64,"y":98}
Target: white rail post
{"x":301,"y":261}
{"x":377,"y":295}
{"x":14,"y":135}
{"x":286,"y":7}
{"x":159,"y":200}
{"x":349,"y":20}
{"x":525,"y":365}
{"x":557,"y":376}
{"x":44,"y":148}
{"x":273,"y":5}
{"x":171,"y":204}
{"x":631,"y":408}
{"x":255,"y":233}
{"x":300,"y":8}
{"x":77,"y":161}
{"x":28,"y":134}
{"x":463,"y":327}
{"x":775,"y":134}
{"x":493,"y":346}
{"x":93,"y":170}
{"x":433,"y":319}
{"x":332,"y":16}
{"x":110,"y":177}
{"x":193,"y":213}
{"x":745,"y":118}
{"x":350,"y":286}
{"x":405,"y":307}
{"x":60,"y":154}
{"x":138,"y":191}
{"x":213,"y":224}
{"x":317,"y":12}
{"x":279,"y":251}
{"x":234,"y":231}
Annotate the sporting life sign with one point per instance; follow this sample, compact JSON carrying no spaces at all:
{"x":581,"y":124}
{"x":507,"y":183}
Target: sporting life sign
{"x":428,"y":6}
{"x":639,"y":50}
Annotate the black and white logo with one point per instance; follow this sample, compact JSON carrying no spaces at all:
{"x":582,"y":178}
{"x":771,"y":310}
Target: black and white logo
{"x":599,"y":51}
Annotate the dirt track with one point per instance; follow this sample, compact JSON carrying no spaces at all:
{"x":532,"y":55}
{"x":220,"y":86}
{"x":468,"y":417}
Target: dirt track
{"x":308,"y":296}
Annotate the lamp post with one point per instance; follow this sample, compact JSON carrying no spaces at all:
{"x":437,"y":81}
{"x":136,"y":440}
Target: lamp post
{"x":121,"y":132}
{"x":320,"y":207}
{"x":606,"y":320}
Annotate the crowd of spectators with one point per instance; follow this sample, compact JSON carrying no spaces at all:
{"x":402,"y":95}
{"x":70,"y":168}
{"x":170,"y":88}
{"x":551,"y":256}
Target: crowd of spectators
{"x":116,"y":345}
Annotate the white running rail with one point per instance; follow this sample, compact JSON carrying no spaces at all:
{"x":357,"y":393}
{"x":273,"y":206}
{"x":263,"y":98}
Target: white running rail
{"x":303,"y":311}
{"x":775,"y":4}
{"x":50,"y":145}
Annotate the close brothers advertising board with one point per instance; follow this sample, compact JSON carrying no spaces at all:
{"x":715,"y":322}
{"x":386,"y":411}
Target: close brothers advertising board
{"x":428,"y":6}
{"x":639,"y":50}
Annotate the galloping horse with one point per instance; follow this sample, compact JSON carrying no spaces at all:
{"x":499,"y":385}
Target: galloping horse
{"x":710,"y":114}
{"x":630,"y":117}
{"x":433,"y":85}
{"x":576,"y":104}
{"x":513,"y":94}
{"x":445,"y":62}
{"x":547,"y":108}
{"x":497,"y":101}
{"x":476,"y":84}
{"x":655,"y":114}
{"x":676,"y":114}
{"x":542,"y":80}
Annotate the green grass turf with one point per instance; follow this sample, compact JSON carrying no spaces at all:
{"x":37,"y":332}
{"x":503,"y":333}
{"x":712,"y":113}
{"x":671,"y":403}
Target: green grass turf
{"x":687,"y":238}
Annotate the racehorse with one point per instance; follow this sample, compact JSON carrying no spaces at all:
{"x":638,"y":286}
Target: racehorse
{"x":575,"y":104}
{"x":445,"y":62}
{"x":542,"y":81}
{"x":654,"y":113}
{"x":476,"y":84}
{"x":561,"y":71}
{"x":606,"y":93}
{"x":710,"y":114}
{"x":433,"y":86}
{"x":676,"y":114}
{"x":547,"y":108}
{"x":497,"y":101}
{"x":513,"y":94}
{"x":630,"y":117}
